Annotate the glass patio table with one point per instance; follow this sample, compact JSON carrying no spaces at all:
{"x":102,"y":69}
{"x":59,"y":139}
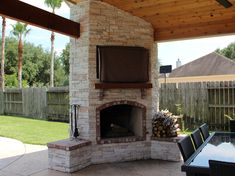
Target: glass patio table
{"x":219,"y":146}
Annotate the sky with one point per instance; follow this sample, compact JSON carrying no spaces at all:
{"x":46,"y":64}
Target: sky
{"x":168,"y":52}
{"x":189,"y":50}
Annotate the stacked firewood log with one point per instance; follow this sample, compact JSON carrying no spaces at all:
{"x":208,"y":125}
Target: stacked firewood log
{"x":164,"y":124}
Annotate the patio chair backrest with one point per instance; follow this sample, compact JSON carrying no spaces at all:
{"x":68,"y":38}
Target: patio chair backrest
{"x":205,"y":131}
{"x":197,"y":139}
{"x":232,"y":125}
{"x":186,"y":147}
{"x":220,"y":168}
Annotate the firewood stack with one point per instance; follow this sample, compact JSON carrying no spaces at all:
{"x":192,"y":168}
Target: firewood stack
{"x":165,"y":124}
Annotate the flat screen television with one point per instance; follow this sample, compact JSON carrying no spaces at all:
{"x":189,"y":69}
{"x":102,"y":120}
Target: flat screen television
{"x":122,"y":64}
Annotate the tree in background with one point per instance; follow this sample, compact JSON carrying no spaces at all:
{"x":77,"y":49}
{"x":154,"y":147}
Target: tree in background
{"x":36,"y":65}
{"x":11,"y":55}
{"x":53,"y":4}
{"x":3,"y":53}
{"x":65,"y":55}
{"x":228,"y":51}
{"x":60,"y":76}
{"x":20,"y":31}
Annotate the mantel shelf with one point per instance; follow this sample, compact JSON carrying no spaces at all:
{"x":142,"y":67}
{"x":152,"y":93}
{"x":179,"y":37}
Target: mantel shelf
{"x":123,"y":85}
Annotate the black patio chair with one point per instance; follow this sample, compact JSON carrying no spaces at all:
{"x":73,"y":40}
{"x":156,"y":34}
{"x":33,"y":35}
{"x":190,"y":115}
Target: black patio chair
{"x":197,"y":139}
{"x":220,"y":168}
{"x":205,"y":131}
{"x":232,"y":125}
{"x":186,"y":147}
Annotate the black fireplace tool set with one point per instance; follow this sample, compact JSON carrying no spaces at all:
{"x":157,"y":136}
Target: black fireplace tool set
{"x":73,"y":120}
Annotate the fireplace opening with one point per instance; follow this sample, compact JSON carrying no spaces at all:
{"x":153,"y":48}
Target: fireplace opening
{"x":121,"y":121}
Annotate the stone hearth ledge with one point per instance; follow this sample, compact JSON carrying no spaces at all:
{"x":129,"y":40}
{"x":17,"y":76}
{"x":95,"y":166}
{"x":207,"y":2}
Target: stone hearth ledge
{"x":69,"y":155}
{"x":72,"y":155}
{"x":166,"y":148}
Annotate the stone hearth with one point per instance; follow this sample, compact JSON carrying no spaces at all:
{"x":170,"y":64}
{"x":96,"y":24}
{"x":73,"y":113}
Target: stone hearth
{"x":116,"y":127}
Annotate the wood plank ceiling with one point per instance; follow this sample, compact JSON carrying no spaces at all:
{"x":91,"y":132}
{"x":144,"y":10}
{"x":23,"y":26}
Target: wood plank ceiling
{"x":181,"y":19}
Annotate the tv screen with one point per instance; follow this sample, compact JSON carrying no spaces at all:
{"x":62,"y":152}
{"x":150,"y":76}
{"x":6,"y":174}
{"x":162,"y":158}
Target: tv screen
{"x":122,"y":64}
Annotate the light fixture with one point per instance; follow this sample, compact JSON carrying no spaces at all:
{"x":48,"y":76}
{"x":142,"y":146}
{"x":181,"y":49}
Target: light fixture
{"x":225,"y":3}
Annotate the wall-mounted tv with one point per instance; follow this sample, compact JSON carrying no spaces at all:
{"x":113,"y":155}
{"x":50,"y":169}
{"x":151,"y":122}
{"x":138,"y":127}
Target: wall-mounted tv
{"x":122,"y":64}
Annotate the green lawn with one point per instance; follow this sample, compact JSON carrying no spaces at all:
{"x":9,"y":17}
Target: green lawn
{"x":32,"y":131}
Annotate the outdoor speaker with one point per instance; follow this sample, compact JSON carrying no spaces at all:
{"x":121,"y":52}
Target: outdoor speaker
{"x":166,"y":69}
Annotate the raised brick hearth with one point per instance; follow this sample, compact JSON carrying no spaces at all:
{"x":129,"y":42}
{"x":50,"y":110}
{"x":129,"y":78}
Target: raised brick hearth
{"x":117,"y":125}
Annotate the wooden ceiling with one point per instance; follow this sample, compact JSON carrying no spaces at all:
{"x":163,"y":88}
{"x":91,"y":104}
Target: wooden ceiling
{"x":181,"y":19}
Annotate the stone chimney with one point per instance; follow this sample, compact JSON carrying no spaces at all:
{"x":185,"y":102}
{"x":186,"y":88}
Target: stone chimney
{"x":178,"y":63}
{"x":115,"y":124}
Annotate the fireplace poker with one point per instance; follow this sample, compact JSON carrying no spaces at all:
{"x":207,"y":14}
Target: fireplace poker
{"x":76,"y":133}
{"x":71,"y":119}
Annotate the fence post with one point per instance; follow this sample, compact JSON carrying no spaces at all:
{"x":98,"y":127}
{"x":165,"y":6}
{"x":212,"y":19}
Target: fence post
{"x":1,"y":102}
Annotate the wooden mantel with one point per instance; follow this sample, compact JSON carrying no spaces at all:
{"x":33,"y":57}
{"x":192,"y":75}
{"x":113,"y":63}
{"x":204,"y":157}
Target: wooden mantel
{"x":17,"y":10}
{"x":105,"y":86}
{"x":123,"y":86}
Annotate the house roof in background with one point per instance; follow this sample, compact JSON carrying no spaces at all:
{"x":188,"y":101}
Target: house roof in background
{"x":211,"y":64}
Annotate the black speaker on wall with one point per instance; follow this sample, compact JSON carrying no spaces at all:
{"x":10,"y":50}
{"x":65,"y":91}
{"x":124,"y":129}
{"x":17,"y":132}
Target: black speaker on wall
{"x":225,"y":3}
{"x":166,"y":69}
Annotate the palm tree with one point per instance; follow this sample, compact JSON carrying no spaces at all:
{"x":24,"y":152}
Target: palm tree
{"x":53,"y":4}
{"x":20,"y":30}
{"x":3,"y":53}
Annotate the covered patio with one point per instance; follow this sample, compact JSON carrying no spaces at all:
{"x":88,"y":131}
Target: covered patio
{"x":31,"y":160}
{"x":137,"y":24}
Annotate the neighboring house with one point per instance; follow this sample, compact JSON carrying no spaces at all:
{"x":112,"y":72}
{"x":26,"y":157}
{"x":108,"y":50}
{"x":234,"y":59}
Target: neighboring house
{"x":211,"y":67}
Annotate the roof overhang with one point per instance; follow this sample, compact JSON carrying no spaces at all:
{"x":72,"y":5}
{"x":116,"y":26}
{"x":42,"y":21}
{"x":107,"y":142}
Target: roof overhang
{"x":181,"y":19}
{"x":21,"y":11}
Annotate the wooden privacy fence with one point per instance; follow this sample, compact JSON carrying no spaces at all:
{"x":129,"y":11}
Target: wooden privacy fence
{"x":51,"y":104}
{"x":200,"y":102}
{"x":58,"y":104}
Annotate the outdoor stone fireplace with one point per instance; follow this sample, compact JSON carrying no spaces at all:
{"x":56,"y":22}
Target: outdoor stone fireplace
{"x":114,"y":119}
{"x":105,"y":25}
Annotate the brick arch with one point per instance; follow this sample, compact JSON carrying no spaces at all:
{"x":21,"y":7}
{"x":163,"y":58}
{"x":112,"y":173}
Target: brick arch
{"x":125,"y":139}
{"x":121,"y":102}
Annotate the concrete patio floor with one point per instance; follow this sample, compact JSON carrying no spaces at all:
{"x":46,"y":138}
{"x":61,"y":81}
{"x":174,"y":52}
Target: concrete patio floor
{"x":18,"y":159}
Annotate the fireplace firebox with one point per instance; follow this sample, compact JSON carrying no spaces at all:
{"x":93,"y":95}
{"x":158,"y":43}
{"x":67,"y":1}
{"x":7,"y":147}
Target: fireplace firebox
{"x":121,"y":121}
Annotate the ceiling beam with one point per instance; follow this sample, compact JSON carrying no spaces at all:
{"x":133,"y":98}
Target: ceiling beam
{"x":202,"y":30}
{"x":20,"y":11}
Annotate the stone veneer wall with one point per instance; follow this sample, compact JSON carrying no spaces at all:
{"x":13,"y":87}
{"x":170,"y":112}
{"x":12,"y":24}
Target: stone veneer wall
{"x":103,"y":24}
{"x":72,"y":155}
{"x":107,"y":153}
{"x":166,"y":149}
{"x":69,"y":155}
{"x":0,"y":80}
